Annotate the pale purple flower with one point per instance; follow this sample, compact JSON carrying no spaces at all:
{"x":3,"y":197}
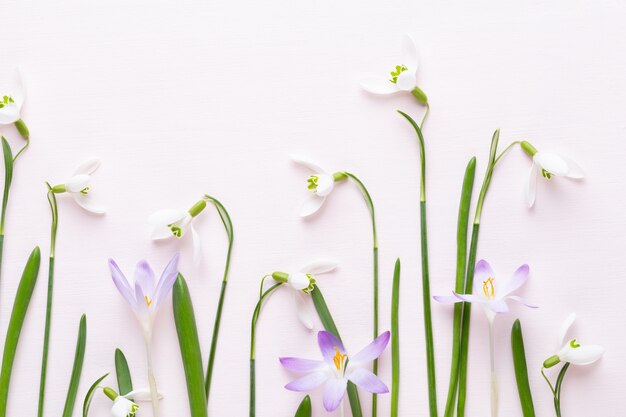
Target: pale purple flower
{"x":490,"y":293}
{"x":337,"y":369}
{"x":145,"y":294}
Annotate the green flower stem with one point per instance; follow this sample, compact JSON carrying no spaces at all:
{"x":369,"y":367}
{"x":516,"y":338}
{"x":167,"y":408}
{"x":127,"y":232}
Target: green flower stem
{"x":329,"y":324}
{"x":557,"y":388}
{"x":185,"y":321}
{"x":79,"y":358}
{"x":228,"y":226}
{"x":395,"y":340}
{"x":425,"y":116}
{"x":428,"y":324}
{"x":46,"y":334}
{"x":20,"y":307}
{"x":90,"y":393}
{"x":521,"y":370}
{"x":255,"y":319}
{"x":469,"y":278}
{"x":370,"y":207}
{"x":461,"y":262}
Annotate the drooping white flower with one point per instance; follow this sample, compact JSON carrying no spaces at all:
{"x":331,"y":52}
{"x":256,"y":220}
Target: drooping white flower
{"x":571,"y":351}
{"x":549,"y":165}
{"x":78,"y":186}
{"x":175,"y":223}
{"x":11,"y":101}
{"x":403,"y":76}
{"x":301,"y":283}
{"x":320,"y":185}
{"x":123,"y":407}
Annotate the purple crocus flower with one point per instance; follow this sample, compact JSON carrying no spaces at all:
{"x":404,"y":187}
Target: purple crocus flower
{"x":337,"y":369}
{"x":146,"y":294}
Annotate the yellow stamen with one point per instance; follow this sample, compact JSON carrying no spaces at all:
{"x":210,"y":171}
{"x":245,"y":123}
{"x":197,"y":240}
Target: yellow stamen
{"x":148,"y":301}
{"x":488,"y":288}
{"x":339,"y":359}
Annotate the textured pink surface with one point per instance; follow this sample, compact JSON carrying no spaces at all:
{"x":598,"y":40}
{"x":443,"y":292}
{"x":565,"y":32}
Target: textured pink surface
{"x":182,"y":98}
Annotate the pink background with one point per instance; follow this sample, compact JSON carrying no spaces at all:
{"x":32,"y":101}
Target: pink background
{"x":182,"y":98}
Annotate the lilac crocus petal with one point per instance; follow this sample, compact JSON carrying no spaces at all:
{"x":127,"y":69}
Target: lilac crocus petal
{"x":469,"y":298}
{"x":334,"y":391}
{"x":142,"y":301}
{"x":497,"y":306}
{"x":519,"y":278}
{"x":521,"y":301}
{"x":327,"y":343}
{"x":121,"y":283}
{"x":447,"y":299}
{"x":371,"y":351}
{"x":144,"y":277}
{"x":302,"y":365}
{"x":308,"y":382}
{"x":166,"y":282}
{"x":482,"y":272}
{"x":368,"y":381}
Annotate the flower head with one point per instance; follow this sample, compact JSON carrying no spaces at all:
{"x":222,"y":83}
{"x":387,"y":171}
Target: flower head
{"x":549,"y":165}
{"x":176,"y":223}
{"x":337,"y":368}
{"x":301,"y":283}
{"x":320,"y":184}
{"x":491,"y":293}
{"x":123,"y":407}
{"x":402,"y":77}
{"x":570,"y":350}
{"x":145,"y":294}
{"x":78,"y":186}
{"x":11,"y":101}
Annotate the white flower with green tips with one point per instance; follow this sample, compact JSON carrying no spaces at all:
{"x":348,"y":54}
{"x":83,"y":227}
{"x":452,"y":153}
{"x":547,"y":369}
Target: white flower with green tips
{"x":402,"y":76}
{"x":79,"y":186}
{"x":11,"y":101}
{"x":177,"y":223}
{"x":549,"y":165}
{"x":570,"y":350}
{"x":320,"y":185}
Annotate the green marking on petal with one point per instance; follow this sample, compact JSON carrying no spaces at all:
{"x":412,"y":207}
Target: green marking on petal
{"x":85,"y":191}
{"x":573,"y":344}
{"x":311,"y":286}
{"x":312,"y":182}
{"x":547,"y":175}
{"x":176,"y":231}
{"x":396,"y":73}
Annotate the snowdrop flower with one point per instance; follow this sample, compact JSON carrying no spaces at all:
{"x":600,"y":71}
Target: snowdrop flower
{"x":320,"y":184}
{"x":571,"y":351}
{"x":548,"y":164}
{"x":403,"y":76}
{"x":490,"y":293}
{"x":175,"y":223}
{"x":122,"y":406}
{"x":301,"y":284}
{"x":78,"y":186}
{"x":337,"y":369}
{"x":11,"y":101}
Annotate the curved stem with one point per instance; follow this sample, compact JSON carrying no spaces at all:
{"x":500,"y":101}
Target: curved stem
{"x":21,"y":150}
{"x":370,"y":206}
{"x":425,"y":116}
{"x":548,"y":381}
{"x":506,"y":150}
{"x":46,"y":335}
{"x":255,"y":318}
{"x":228,"y":226}
{"x":428,"y":324}
{"x":557,"y":389}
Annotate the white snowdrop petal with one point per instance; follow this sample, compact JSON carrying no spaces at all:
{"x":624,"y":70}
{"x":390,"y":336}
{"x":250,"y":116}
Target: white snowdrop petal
{"x":320,"y":266}
{"x":311,"y":205}
{"x":552,"y":163}
{"x":378,"y":85}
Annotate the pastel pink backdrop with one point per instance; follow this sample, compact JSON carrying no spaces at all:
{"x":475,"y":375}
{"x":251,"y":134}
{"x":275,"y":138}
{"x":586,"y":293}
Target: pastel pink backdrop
{"x":184,"y":98}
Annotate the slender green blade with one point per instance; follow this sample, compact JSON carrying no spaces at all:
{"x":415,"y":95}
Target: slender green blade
{"x":90,"y":392}
{"x":8,"y":178}
{"x":304,"y":410}
{"x":521,"y":370}
{"x":122,"y":371}
{"x":461,"y":262}
{"x":20,"y":307}
{"x":329,"y":324}
{"x":395,"y":340}
{"x":79,"y":358}
{"x":185,"y":321}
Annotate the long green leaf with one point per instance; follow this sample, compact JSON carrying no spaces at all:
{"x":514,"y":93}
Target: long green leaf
{"x":329,"y":324}
{"x":79,"y":358}
{"x":90,"y":392}
{"x":20,"y":307}
{"x":395,"y":340}
{"x":122,"y":371}
{"x":461,"y":262}
{"x":8,"y":178}
{"x":189,"y":347}
{"x":304,"y":410}
{"x":521,"y":370}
